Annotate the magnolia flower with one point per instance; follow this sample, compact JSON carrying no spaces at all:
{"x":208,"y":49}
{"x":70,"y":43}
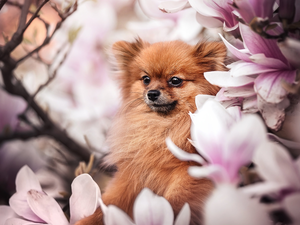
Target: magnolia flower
{"x":281,"y":174}
{"x":229,"y":206}
{"x":210,"y":13}
{"x":148,"y":209}
{"x":36,"y":207}
{"x":225,"y":139}
{"x":257,"y":77}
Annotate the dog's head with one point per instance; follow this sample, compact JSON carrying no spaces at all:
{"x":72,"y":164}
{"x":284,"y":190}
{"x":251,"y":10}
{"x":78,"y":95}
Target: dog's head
{"x":166,"y":76}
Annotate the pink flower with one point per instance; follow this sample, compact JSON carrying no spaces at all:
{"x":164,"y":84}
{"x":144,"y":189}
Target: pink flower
{"x":230,"y":206}
{"x":148,"y":209}
{"x":36,"y":207}
{"x":224,"y":138}
{"x":249,"y":9}
{"x":210,"y":13}
{"x":257,"y":77}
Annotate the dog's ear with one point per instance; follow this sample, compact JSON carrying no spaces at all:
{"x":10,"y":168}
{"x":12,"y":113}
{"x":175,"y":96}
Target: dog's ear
{"x":211,"y":55}
{"x":125,"y":52}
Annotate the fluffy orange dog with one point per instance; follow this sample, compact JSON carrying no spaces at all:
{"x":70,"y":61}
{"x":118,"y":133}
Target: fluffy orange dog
{"x":159,"y":83}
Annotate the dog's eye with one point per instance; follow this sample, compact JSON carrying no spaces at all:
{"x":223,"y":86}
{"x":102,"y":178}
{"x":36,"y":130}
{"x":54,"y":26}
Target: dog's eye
{"x":146,"y":80}
{"x":175,"y":81}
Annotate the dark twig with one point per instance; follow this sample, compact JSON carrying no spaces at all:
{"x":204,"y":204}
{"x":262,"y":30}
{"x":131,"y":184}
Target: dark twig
{"x":2,"y":3}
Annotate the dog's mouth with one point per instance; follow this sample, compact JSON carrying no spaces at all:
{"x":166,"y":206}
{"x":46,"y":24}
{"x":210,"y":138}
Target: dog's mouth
{"x":163,"y":108}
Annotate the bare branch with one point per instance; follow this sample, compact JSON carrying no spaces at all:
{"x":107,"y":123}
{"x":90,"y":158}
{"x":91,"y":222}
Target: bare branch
{"x":2,"y":3}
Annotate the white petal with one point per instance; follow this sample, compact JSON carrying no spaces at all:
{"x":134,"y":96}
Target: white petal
{"x":213,"y":172}
{"x":291,"y":204}
{"x":115,"y":216}
{"x":262,"y":60}
{"x":6,"y":212}
{"x":235,"y":112}
{"x":201,"y":99}
{"x":209,"y":128}
{"x":26,"y":180}
{"x":84,"y":198}
{"x":172,"y":6}
{"x":17,"y":221}
{"x":223,"y":79}
{"x":18,"y":202}
{"x":239,"y":53}
{"x":262,"y":188}
{"x":243,"y":139}
{"x":183,"y":155}
{"x":207,"y":21}
{"x":250,"y":105}
{"x":184,"y":215}
{"x":228,"y":206}
{"x":241,"y":68}
{"x":243,"y":91}
{"x":152,"y":209}
{"x":46,"y":208}
{"x":274,"y":164}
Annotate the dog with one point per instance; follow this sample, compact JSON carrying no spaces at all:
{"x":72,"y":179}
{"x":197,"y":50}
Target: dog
{"x":158,"y":83}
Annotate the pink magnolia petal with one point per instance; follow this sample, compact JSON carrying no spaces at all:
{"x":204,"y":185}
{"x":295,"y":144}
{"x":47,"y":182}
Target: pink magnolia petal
{"x":152,"y":209}
{"x":84,"y":198}
{"x":269,"y":85}
{"x":221,"y":97}
{"x":275,"y":165}
{"x":257,"y":44}
{"x":245,"y":10}
{"x":291,"y":204}
{"x":240,"y":54}
{"x":226,"y":199}
{"x":235,"y":112}
{"x":201,"y":99}
{"x":243,"y":91}
{"x":173,"y":6}
{"x":203,"y":8}
{"x":46,"y":208}
{"x":19,"y":204}
{"x":209,"y":128}
{"x":26,"y":180}
{"x":183,"y":155}
{"x":207,"y":21}
{"x":6,"y":212}
{"x":241,"y":68}
{"x":230,"y":29}
{"x":115,"y":216}
{"x":17,"y":221}
{"x":262,"y":60}
{"x":292,"y":146}
{"x":223,"y":79}
{"x":184,"y":215}
{"x":214,"y":172}
{"x":273,"y":114}
{"x":263,"y":188}
{"x":241,"y":143}
{"x":150,"y":8}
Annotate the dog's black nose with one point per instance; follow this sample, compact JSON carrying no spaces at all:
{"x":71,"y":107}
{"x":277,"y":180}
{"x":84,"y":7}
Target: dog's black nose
{"x":153,"y":95}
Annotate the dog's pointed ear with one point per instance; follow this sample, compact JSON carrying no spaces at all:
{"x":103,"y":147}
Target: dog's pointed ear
{"x":125,"y":52}
{"x":211,"y":55}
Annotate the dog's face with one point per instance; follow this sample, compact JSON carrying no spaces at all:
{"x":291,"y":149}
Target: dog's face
{"x":165,"y":77}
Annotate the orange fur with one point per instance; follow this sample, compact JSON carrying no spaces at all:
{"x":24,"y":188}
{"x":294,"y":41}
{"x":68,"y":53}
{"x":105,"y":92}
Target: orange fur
{"x":137,"y":138}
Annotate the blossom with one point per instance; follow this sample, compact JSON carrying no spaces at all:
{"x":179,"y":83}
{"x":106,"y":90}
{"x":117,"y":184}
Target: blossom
{"x":248,"y":10}
{"x":224,"y":138}
{"x":230,"y":206}
{"x":210,"y":13}
{"x":257,"y":76}
{"x":36,"y":207}
{"x":148,"y":209}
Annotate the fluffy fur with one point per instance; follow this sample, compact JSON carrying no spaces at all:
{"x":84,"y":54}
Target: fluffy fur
{"x":137,"y":138}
